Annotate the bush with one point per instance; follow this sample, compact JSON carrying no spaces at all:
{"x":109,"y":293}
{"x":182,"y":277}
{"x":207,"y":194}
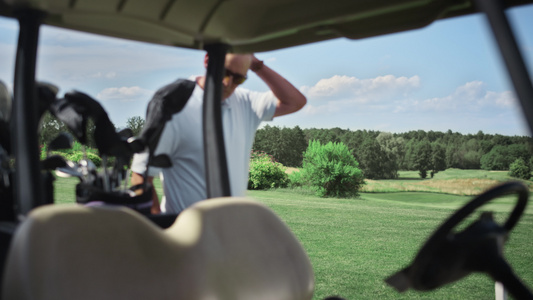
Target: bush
{"x":296,"y":179}
{"x":77,"y":156}
{"x":332,"y":170}
{"x":42,"y":148}
{"x":266,"y":173}
{"x":519,"y":169}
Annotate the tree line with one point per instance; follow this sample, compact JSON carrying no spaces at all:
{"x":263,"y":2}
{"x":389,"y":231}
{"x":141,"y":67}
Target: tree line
{"x":50,"y":127}
{"x":382,"y":154}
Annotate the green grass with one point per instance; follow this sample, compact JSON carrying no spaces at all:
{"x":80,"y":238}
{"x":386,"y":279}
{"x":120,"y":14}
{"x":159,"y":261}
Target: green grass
{"x":353,"y":244}
{"x":451,"y":181}
{"x":458,"y":173}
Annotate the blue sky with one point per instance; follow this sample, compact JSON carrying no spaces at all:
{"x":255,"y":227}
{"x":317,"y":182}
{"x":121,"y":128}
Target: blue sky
{"x":448,"y":75}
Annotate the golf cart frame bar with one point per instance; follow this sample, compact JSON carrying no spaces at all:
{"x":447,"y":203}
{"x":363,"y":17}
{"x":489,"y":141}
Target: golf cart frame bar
{"x":26,"y":107}
{"x":28,"y":188}
{"x":29,"y":184}
{"x":216,"y":169}
{"x":495,"y":12}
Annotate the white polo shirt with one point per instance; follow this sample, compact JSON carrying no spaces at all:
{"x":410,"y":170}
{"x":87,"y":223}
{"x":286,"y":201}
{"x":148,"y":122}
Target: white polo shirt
{"x":182,"y":141}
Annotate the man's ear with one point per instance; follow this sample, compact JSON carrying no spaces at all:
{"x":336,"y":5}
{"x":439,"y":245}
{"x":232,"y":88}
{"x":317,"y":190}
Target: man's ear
{"x":206,"y":60}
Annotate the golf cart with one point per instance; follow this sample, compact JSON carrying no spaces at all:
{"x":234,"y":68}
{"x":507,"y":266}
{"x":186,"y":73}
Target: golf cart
{"x":222,"y":248}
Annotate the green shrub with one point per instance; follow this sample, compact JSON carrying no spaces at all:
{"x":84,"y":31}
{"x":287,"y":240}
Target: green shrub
{"x":296,"y":179}
{"x":265,"y":173}
{"x":43,"y":148}
{"x":77,"y":156}
{"x":332,"y":170}
{"x":520,"y":169}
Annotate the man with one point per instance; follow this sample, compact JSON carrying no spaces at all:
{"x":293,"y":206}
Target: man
{"x":242,"y":112}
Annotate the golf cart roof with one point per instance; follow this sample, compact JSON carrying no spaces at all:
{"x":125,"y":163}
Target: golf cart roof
{"x":247,"y":26}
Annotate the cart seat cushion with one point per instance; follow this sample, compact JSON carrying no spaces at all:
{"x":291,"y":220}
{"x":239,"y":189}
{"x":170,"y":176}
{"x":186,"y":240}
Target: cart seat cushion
{"x":227,"y":248}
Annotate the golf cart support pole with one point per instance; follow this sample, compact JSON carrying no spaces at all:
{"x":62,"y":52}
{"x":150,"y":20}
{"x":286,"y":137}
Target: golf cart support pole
{"x":28,"y":183}
{"x":216,"y":168}
{"x":494,"y":10}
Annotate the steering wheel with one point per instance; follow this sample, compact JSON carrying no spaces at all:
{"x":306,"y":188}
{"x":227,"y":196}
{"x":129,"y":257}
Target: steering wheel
{"x":448,"y":256}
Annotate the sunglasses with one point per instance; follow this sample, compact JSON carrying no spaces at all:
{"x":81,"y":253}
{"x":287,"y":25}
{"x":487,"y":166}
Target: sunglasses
{"x":237,"y":78}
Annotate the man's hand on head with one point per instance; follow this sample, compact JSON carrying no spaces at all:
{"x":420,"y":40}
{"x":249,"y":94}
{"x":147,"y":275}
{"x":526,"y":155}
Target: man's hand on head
{"x":256,"y":64}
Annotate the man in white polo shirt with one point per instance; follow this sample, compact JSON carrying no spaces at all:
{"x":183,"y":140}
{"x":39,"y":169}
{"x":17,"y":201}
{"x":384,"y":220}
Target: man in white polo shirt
{"x":242,"y":112}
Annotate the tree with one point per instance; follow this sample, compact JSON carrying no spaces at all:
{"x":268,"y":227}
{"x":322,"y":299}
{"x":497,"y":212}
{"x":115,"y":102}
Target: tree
{"x":49,"y":128}
{"x":500,"y":157}
{"x":380,"y":156}
{"x":286,"y":145}
{"x":372,"y":159}
{"x":91,"y":127}
{"x":353,"y":140}
{"x":332,"y":170}
{"x":520,"y":169}
{"x":136,"y":124}
{"x":423,"y":158}
{"x":408,"y":161}
{"x":294,"y":146}
{"x":438,"y":159}
{"x":394,"y":149}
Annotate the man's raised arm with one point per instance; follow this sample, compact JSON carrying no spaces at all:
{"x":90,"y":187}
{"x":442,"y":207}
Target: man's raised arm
{"x":289,"y":97}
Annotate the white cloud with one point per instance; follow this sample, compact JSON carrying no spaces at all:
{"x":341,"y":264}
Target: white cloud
{"x":396,"y":104}
{"x":72,"y":58}
{"x":343,"y":94}
{"x":79,"y":62}
{"x":472,"y":96}
{"x":355,"y":90}
{"x":108,"y":75}
{"x":124,"y":94}
{"x":503,"y":99}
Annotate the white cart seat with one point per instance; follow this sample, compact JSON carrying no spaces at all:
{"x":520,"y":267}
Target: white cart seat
{"x":229,"y":248}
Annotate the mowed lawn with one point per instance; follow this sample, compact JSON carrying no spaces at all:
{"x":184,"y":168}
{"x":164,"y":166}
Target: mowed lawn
{"x":354,"y":244}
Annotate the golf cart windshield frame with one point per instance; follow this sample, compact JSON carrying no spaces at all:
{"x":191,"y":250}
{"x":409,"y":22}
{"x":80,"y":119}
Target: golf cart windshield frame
{"x":24,"y":137}
{"x":29,"y":190}
{"x":25,"y":119}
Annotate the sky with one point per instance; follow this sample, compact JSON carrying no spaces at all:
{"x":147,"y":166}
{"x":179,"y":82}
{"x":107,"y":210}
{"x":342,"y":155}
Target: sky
{"x":446,"y":76}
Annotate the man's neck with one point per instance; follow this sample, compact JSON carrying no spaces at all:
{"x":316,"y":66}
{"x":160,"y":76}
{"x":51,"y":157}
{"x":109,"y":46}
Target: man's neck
{"x":200,"y":80}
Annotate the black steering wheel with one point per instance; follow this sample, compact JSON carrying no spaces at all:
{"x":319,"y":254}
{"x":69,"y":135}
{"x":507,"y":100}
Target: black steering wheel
{"x":448,"y":256}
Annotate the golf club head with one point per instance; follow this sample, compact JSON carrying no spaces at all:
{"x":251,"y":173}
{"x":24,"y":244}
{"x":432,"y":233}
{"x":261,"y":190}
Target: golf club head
{"x":136,"y":144}
{"x":62,"y":141}
{"x":87,"y":164}
{"x":88,"y":171}
{"x":70,"y":170}
{"x":46,"y":92}
{"x":125,"y":133}
{"x":53,"y":162}
{"x":51,"y":87}
{"x":76,"y":108}
{"x":166,"y":102}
